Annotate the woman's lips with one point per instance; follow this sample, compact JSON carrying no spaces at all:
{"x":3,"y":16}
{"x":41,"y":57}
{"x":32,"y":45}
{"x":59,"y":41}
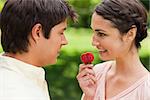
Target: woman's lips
{"x":102,"y":50}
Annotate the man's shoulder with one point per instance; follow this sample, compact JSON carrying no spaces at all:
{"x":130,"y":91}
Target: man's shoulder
{"x":15,"y":84}
{"x":8,"y":76}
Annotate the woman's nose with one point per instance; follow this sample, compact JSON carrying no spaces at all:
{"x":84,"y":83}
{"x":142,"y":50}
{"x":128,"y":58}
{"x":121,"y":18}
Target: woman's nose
{"x":95,"y":41}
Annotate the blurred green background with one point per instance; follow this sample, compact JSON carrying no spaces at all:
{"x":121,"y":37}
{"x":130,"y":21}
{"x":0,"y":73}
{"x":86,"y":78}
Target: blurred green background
{"x":61,"y":77}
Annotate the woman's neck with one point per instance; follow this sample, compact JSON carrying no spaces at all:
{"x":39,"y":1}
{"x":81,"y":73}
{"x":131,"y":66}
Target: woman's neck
{"x":129,"y":65}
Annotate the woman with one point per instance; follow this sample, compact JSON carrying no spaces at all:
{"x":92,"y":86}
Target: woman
{"x":118,"y":28}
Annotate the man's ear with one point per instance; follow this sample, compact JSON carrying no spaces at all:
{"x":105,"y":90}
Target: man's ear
{"x":131,"y":34}
{"x":36,"y":32}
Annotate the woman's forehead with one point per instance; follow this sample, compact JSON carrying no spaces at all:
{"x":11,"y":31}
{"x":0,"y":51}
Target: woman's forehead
{"x":99,"y":21}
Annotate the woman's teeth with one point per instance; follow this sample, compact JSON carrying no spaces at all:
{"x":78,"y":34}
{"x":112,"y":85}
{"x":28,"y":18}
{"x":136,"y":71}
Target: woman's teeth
{"x":102,"y":50}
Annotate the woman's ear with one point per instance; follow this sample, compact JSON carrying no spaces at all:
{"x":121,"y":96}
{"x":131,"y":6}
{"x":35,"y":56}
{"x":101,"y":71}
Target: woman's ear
{"x":131,"y":34}
{"x":36,"y":32}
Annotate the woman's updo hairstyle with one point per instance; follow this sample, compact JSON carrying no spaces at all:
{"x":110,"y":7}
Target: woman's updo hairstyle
{"x":124,"y":14}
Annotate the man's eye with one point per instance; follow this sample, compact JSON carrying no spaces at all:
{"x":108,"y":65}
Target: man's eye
{"x":61,"y":33}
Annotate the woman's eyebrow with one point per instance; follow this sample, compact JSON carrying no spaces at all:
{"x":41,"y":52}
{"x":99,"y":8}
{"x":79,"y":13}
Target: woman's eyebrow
{"x":97,"y":30}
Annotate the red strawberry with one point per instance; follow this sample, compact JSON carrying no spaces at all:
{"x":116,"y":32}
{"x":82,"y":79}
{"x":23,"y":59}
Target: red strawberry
{"x":87,"y":58}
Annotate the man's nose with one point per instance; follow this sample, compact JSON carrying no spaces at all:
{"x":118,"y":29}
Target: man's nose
{"x":64,"y":41}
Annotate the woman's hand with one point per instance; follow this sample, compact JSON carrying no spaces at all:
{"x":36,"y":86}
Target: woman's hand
{"x":87,"y":80}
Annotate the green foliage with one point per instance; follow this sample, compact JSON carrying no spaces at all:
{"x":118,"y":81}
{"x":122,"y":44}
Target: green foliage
{"x":84,"y":9}
{"x":146,"y":3}
{"x":1,"y":4}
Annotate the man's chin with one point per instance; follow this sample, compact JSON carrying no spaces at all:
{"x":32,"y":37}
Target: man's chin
{"x":54,"y":62}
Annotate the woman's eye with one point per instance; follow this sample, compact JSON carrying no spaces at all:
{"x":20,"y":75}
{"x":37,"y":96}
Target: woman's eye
{"x":100,"y":34}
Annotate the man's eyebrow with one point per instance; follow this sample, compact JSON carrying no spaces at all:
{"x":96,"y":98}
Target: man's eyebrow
{"x":64,"y":28}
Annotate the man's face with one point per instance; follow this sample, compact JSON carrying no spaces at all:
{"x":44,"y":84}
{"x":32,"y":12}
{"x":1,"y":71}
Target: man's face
{"x":50,"y":48}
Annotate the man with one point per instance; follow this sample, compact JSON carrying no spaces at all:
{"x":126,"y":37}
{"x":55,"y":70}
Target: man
{"x":32,"y":36}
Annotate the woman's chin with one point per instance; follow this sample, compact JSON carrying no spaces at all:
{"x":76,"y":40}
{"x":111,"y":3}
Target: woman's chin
{"x":105,"y":58}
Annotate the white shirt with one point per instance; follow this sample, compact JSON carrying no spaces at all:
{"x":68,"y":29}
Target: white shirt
{"x":21,"y":81}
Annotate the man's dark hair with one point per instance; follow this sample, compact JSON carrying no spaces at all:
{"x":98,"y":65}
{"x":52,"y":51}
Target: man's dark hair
{"x":19,"y":16}
{"x":123,"y":14}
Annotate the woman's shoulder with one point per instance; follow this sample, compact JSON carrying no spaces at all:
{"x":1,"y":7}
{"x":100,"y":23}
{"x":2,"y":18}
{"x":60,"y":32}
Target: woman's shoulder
{"x":102,"y":67}
{"x":148,"y":81}
{"x":145,"y":83}
{"x":146,"y":88}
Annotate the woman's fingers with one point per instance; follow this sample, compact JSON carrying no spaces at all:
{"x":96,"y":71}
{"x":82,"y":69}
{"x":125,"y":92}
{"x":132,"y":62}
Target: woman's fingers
{"x":83,"y":66}
{"x":86,"y":74}
{"x":87,"y":80}
{"x":93,"y":78}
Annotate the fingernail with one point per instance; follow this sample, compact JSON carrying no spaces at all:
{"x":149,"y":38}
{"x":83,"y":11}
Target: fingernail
{"x":91,"y":65}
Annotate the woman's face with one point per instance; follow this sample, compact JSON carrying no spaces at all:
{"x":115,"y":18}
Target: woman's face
{"x":107,"y":39}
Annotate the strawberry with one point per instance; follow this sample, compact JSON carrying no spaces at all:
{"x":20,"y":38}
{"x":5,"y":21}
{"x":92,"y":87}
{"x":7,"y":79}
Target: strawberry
{"x":87,"y":58}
